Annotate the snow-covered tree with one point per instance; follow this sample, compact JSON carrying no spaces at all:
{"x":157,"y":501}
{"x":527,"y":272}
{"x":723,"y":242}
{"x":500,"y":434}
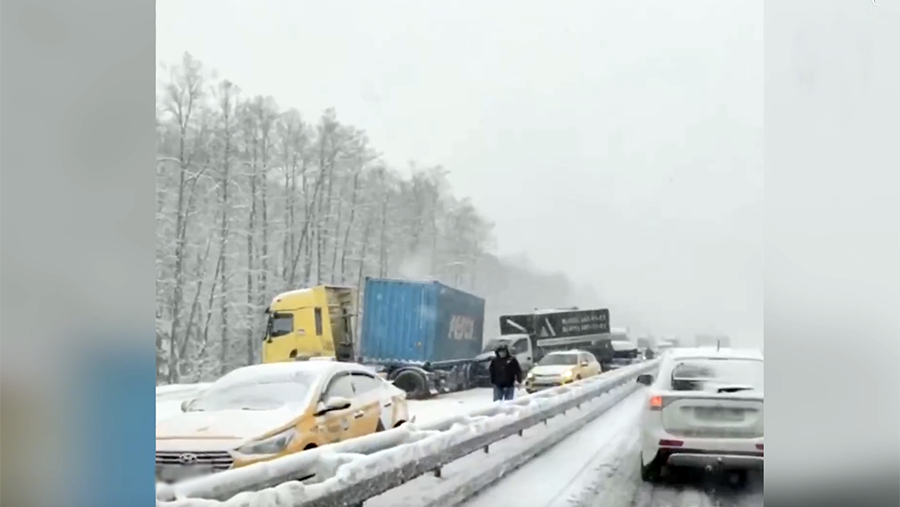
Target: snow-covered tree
{"x":253,"y":200}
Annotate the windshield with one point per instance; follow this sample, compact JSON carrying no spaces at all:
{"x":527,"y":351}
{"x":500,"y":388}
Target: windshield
{"x":559,"y":360}
{"x":265,"y":393}
{"x":714,"y":374}
{"x":279,"y":324}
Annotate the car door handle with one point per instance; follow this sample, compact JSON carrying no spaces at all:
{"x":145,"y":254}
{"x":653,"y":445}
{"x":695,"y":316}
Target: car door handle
{"x":359,"y":414}
{"x":388,"y":404}
{"x":528,"y":358}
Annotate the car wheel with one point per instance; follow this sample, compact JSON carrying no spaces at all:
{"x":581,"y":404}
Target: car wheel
{"x":380,"y":427}
{"x":737,"y":478}
{"x":652,"y":471}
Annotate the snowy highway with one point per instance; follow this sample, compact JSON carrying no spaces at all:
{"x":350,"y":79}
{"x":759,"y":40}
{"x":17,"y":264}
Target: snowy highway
{"x":598,"y":467}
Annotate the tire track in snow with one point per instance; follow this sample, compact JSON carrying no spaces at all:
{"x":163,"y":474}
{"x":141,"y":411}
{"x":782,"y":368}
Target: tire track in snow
{"x":552,"y":479}
{"x":618,"y":484}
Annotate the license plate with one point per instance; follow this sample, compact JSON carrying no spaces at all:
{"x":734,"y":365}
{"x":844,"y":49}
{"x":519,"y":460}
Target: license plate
{"x":175,"y":473}
{"x":718,"y":414}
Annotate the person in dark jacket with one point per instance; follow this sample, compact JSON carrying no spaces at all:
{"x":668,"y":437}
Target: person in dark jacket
{"x":505,"y":374}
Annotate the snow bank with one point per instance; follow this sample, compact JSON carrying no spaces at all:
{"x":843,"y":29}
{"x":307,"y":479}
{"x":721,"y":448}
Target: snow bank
{"x":451,"y":404}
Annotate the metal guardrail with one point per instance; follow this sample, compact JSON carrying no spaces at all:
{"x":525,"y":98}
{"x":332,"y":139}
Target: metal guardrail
{"x":350,"y":472}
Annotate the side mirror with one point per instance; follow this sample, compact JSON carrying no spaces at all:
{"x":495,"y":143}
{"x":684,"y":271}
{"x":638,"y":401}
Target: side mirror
{"x":334,"y":403}
{"x":645,"y":379}
{"x":584,"y":363}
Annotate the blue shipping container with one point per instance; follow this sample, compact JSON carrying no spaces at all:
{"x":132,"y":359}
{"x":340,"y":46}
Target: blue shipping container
{"x":418,"y":322}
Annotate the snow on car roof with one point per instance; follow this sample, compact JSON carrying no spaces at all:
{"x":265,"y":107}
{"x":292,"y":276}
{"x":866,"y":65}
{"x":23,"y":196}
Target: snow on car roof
{"x":268,"y":370}
{"x":723,"y":353}
{"x":622,"y":345}
{"x":564,"y":352}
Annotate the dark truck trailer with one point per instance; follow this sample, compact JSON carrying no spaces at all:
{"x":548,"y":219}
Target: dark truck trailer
{"x":422,"y":334}
{"x":530,"y":336}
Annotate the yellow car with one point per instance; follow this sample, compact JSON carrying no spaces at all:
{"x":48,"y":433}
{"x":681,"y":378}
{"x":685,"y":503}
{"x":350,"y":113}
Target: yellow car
{"x":262,"y":412}
{"x":563,"y":367}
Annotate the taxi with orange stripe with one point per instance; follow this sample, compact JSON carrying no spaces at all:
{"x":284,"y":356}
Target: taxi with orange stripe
{"x":258,"y":413}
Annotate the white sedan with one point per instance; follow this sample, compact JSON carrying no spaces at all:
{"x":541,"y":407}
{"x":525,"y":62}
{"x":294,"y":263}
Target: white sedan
{"x":704,"y":410}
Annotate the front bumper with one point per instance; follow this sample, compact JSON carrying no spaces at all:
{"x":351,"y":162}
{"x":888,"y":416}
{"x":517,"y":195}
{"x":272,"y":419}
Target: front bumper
{"x":173,"y":466}
{"x":532,"y":386}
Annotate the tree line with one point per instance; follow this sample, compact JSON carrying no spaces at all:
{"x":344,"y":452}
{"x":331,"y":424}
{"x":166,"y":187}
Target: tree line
{"x":253,"y":200}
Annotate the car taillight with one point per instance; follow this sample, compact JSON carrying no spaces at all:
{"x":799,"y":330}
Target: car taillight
{"x":670,"y":443}
{"x":759,"y":446}
{"x":656,"y":402}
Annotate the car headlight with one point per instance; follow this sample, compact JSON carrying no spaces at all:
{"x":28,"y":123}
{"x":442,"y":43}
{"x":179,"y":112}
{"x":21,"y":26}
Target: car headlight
{"x":567,"y":374}
{"x":529,"y":376}
{"x":272,"y":445}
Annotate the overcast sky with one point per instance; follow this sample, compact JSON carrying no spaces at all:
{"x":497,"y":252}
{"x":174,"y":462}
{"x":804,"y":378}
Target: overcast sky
{"x":617,"y":141}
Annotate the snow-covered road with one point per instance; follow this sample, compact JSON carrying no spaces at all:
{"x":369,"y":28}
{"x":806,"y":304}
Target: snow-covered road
{"x":598,"y":467}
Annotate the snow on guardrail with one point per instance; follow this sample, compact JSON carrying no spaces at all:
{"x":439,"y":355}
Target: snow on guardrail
{"x":350,"y":472}
{"x":179,"y":390}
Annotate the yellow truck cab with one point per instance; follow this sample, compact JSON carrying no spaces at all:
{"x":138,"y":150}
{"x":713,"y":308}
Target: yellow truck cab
{"x":311,"y":323}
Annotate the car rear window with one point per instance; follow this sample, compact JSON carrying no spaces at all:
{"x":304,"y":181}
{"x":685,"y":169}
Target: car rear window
{"x":716,"y":374}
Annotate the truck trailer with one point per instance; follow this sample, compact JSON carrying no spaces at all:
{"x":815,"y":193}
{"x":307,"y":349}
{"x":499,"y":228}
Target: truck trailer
{"x":422,"y":335}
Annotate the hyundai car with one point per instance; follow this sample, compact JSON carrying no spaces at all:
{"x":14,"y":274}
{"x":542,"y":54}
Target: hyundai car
{"x":257,"y":413}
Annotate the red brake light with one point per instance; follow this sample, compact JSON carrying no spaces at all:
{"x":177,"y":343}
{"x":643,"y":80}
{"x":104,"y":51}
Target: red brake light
{"x":656,"y":402}
{"x":670,"y":443}
{"x":759,"y":446}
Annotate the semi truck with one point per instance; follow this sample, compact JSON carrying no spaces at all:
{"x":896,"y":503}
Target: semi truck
{"x":530,"y":336}
{"x":422,"y":335}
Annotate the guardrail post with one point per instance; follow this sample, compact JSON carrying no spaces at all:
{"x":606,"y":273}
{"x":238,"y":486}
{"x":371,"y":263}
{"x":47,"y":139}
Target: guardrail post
{"x":437,"y":472}
{"x":520,"y":432}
